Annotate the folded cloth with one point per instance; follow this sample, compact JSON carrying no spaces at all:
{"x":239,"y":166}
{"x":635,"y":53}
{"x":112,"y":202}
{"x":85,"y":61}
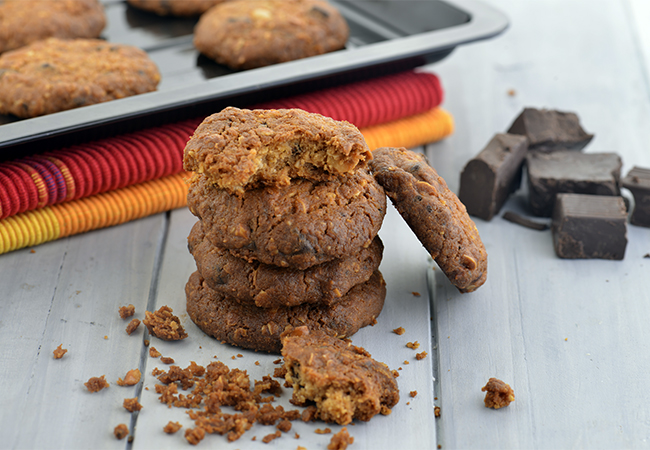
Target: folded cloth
{"x":76,"y":172}
{"x":169,"y":192}
{"x":90,"y":213}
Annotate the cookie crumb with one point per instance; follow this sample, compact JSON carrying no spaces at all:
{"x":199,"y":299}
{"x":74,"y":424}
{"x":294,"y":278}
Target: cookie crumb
{"x":511,"y":93}
{"x":257,"y":363}
{"x":416,"y":294}
{"x":269,"y":437}
{"x":284,"y":426}
{"x":279,"y":372}
{"x":121,"y":431}
{"x":340,"y":440}
{"x":413,"y":345}
{"x":413,"y":393}
{"x":132,"y":404}
{"x":194,"y":435}
{"x":399,"y":331}
{"x":154,"y":353}
{"x":296,"y":436}
{"x":32,"y":251}
{"x":395,"y":373}
{"x":132,"y":326}
{"x":164,"y":324}
{"x":146,"y":342}
{"x":167,"y":360}
{"x":278,"y":361}
{"x":127,"y":311}
{"x":59,"y":352}
{"x":436,"y":411}
{"x":420,"y":356}
{"x":131,"y":378}
{"x":323,"y":431}
{"x":406,"y":363}
{"x":96,"y":384}
{"x":172,"y":427}
{"x":498,"y":394}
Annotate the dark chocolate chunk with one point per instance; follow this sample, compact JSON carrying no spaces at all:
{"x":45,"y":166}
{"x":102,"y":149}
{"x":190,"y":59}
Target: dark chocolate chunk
{"x":570,"y":172}
{"x":589,"y":226}
{"x":523,"y":221}
{"x":550,"y":130}
{"x":491,"y":176}
{"x":637,"y":181}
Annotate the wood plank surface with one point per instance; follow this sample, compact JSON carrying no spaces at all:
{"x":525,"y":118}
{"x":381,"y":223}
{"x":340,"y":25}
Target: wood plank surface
{"x":569,"y":336}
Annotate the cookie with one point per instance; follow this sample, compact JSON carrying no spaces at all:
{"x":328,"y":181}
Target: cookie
{"x":267,"y":286}
{"x":25,"y":21}
{"x":180,"y":8}
{"x":259,"y":328}
{"x":244,"y":34}
{"x":434,"y":213}
{"x":56,"y":75}
{"x":296,"y":226}
{"x":342,"y":380}
{"x":240,"y":149}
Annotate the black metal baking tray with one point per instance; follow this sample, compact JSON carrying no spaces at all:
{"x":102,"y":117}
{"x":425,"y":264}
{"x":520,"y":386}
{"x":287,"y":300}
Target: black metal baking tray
{"x":386,"y":36}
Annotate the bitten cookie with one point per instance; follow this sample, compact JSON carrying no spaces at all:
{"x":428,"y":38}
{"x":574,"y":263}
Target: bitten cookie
{"x":268,"y":286}
{"x":247,"y":34}
{"x":56,"y":75}
{"x":181,"y":8}
{"x":297,"y":226}
{"x":260,"y":328}
{"x":434,"y":213}
{"x":240,"y":149}
{"x":25,"y":21}
{"x":342,"y":380}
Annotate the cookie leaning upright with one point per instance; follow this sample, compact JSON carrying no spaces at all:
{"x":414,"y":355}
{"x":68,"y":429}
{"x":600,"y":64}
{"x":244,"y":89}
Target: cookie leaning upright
{"x":25,"y":21}
{"x":434,"y":213}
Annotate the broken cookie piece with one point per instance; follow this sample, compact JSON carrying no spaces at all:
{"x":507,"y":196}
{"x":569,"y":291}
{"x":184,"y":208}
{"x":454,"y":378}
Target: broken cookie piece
{"x":164,"y":324}
{"x":342,"y":380}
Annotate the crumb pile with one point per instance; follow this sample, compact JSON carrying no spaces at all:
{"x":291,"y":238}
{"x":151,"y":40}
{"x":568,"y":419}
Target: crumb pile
{"x":287,"y":236}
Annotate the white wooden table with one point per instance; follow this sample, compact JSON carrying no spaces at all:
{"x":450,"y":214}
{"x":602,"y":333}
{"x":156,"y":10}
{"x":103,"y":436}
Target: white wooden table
{"x":571,"y":337}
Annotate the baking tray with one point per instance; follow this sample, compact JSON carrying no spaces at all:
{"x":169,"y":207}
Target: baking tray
{"x":386,"y":36}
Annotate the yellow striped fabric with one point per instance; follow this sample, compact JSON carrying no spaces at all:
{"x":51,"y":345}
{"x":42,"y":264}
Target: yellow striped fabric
{"x":141,"y":200}
{"x":99,"y":211}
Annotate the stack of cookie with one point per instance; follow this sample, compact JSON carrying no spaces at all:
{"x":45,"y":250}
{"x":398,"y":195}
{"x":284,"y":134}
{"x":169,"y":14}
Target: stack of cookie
{"x":287,"y":236}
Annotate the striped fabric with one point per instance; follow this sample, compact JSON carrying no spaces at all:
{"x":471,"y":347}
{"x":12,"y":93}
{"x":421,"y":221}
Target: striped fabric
{"x":111,"y":181}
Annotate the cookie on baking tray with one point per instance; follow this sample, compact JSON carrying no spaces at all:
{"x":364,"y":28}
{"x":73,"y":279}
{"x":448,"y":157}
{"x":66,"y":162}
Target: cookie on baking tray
{"x":238,"y":149}
{"x":434,"y":213}
{"x":260,"y":328}
{"x":299,"y":225}
{"x":342,"y":380}
{"x":56,"y":75}
{"x":267,"y":286}
{"x":180,"y":8}
{"x":25,"y":21}
{"x":246,"y":34}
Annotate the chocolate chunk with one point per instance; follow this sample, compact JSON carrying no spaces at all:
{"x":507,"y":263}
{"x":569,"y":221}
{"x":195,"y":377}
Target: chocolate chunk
{"x":488,"y":180}
{"x":523,"y":221}
{"x":550,"y":130}
{"x":589,"y":226}
{"x":638,"y":182}
{"x":570,"y":172}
